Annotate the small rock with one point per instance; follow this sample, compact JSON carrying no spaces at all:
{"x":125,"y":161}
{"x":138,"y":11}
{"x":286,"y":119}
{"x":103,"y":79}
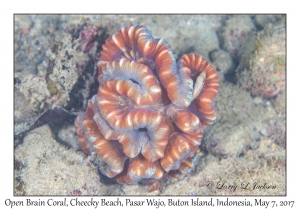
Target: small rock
{"x":222,"y":61}
{"x":257,"y":100}
{"x":273,"y":146}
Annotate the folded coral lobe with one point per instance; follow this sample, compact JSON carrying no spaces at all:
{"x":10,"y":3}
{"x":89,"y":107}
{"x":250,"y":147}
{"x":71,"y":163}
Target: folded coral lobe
{"x":194,"y":65}
{"x":110,"y":152}
{"x":138,"y":169}
{"x":136,"y":43}
{"x":131,"y":79}
{"x":148,"y":116}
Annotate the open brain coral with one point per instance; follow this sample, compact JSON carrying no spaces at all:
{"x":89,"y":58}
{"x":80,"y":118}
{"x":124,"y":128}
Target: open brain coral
{"x":149,"y":113}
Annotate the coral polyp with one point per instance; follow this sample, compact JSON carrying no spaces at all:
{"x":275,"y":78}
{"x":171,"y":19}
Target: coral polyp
{"x":150,"y":111}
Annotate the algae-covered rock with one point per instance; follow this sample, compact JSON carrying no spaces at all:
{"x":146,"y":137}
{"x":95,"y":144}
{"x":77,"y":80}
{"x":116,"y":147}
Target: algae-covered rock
{"x":48,"y":168}
{"x":235,"y":33}
{"x":263,"y":66}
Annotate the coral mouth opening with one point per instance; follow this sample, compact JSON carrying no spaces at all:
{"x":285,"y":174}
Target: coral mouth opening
{"x":134,"y":81}
{"x":143,"y":130}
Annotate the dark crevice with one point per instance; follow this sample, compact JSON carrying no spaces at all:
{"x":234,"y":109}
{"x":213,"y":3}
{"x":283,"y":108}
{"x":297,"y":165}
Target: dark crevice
{"x":143,"y":130}
{"x":134,"y":81}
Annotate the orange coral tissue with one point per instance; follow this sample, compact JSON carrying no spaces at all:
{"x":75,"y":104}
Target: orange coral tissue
{"x":150,"y":111}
